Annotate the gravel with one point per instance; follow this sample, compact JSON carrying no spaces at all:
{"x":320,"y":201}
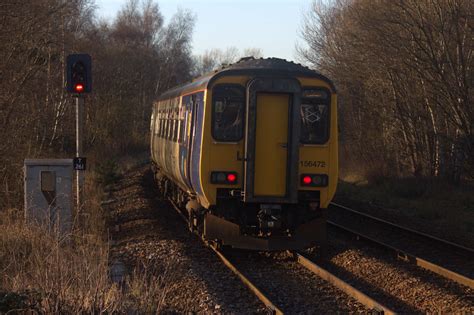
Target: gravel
{"x":402,"y":287}
{"x":291,"y":287}
{"x":433,"y":251}
{"x":147,"y":233}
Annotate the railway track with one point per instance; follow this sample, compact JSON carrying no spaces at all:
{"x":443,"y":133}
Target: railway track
{"x":255,"y":290}
{"x":445,"y":258}
{"x":150,"y":230}
{"x":288,"y":286}
{"x":361,"y":297}
{"x":342,"y":287}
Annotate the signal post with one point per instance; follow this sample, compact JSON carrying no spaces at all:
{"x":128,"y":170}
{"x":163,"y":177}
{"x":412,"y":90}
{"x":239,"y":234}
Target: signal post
{"x":79,"y":82}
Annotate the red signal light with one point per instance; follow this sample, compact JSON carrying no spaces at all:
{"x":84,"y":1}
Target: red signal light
{"x":307,"y":180}
{"x":79,"y":87}
{"x":231,"y":178}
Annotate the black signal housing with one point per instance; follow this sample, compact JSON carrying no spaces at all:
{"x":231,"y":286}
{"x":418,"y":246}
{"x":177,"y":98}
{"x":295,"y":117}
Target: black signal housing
{"x":79,"y":73}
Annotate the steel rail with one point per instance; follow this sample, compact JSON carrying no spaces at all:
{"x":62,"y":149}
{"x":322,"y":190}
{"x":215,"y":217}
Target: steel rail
{"x":343,"y":286}
{"x":446,"y":273}
{"x":407,"y":229}
{"x":178,"y":210}
{"x":255,"y":290}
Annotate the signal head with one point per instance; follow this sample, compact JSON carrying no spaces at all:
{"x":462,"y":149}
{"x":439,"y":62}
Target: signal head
{"x":79,"y":74}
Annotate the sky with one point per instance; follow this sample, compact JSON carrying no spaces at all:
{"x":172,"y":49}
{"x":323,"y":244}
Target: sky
{"x":271,"y":25}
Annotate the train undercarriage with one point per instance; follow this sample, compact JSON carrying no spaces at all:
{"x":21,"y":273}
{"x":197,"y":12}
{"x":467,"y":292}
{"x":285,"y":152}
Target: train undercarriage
{"x":255,"y":226}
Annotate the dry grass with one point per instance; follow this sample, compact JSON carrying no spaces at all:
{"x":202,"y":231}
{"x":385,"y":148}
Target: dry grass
{"x":148,"y":288}
{"x":49,"y":274}
{"x":62,"y":273}
{"x":46,"y":272}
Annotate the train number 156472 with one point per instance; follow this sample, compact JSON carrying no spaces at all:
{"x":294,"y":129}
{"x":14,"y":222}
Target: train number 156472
{"x":313,"y":164}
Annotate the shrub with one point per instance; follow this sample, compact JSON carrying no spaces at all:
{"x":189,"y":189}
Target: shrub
{"x":107,"y":173}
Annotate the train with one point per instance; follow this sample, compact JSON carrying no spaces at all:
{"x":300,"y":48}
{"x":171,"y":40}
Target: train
{"x":249,"y":153}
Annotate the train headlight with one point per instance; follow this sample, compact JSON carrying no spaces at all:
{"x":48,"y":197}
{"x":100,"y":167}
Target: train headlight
{"x":229,"y":178}
{"x":314,"y":180}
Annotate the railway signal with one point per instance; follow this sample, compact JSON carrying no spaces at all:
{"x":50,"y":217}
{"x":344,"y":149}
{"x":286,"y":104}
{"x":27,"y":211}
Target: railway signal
{"x":79,"y":82}
{"x":79,"y":74}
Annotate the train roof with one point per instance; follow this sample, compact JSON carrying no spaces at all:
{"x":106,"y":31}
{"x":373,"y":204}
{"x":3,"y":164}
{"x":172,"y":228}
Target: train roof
{"x":248,"y":66}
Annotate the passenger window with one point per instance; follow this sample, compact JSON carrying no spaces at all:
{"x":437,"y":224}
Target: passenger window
{"x":182,"y":124}
{"x":167,"y":122}
{"x":153,"y":121}
{"x":228,"y":112}
{"x":314,"y":116}
{"x":171,"y":117}
{"x":170,"y":124}
{"x":157,"y":125}
{"x":161,"y":123}
{"x":176,"y":124}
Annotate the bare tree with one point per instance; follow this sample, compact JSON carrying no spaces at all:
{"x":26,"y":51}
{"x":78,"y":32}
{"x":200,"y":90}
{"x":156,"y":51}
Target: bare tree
{"x":134,"y":59}
{"x":404,"y":70}
{"x":216,"y":58}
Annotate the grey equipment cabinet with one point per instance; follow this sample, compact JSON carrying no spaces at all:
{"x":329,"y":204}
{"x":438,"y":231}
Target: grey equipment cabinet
{"x":48,"y":193}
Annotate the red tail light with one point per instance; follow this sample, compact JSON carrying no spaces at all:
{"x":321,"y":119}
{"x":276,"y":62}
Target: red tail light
{"x":229,"y":178}
{"x":314,"y":180}
{"x":307,"y":180}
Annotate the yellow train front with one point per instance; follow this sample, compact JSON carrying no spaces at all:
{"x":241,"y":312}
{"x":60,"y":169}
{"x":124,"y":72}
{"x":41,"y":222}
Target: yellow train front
{"x":250,"y":151}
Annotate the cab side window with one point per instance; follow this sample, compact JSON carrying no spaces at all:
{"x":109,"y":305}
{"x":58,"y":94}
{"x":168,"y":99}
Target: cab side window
{"x":228,"y":103}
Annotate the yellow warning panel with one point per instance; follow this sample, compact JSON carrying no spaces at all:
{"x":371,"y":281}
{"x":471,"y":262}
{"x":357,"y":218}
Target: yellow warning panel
{"x":271,"y":144}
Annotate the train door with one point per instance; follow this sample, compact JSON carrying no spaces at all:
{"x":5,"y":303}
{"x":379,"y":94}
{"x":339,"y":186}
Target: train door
{"x":186,"y":136}
{"x":272,"y":140}
{"x":271,"y":144}
{"x":195,"y":138}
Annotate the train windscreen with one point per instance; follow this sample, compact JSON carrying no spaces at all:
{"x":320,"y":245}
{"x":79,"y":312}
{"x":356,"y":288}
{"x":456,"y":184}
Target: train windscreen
{"x":314,"y":116}
{"x":228,"y":112}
